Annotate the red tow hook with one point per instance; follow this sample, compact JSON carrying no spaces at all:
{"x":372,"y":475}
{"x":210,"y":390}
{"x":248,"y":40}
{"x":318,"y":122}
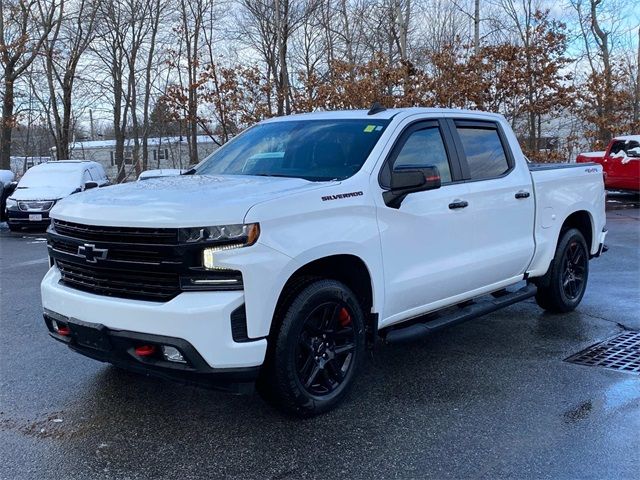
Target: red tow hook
{"x":63,"y":330}
{"x":145,"y":350}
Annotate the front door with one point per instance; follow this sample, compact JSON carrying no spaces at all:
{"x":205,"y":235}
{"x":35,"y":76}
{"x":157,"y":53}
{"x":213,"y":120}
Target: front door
{"x":427,"y":240}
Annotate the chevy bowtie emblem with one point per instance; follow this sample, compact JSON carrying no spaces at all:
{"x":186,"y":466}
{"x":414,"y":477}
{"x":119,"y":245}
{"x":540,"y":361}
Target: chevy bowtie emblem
{"x":92,"y":254}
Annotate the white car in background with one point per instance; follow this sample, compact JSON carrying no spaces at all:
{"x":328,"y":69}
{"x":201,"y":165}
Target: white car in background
{"x":43,"y":185}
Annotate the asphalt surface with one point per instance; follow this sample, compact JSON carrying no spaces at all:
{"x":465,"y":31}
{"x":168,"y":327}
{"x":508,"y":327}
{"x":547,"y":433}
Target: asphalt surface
{"x":490,"y":398}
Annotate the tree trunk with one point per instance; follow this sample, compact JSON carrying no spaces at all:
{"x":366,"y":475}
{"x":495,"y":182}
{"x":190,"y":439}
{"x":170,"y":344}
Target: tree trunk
{"x":476,"y":27}
{"x":636,"y":103}
{"x":7,"y":122}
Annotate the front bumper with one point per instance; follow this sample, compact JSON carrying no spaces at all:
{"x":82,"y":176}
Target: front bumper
{"x":18,"y":218}
{"x":118,"y":348}
{"x":202,"y":319}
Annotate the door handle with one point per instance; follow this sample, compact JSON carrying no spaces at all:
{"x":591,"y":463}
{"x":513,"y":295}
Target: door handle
{"x":458,"y":204}
{"x":522,"y":194}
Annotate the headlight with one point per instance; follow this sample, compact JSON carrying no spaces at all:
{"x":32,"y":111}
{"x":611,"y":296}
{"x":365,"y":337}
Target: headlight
{"x":232,"y":236}
{"x":11,"y":202}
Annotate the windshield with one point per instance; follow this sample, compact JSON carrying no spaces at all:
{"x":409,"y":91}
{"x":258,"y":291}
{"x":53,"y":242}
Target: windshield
{"x":315,"y":150}
{"x":50,"y":177}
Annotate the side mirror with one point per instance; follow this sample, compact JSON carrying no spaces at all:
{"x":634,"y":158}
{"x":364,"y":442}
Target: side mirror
{"x":634,"y":152}
{"x":90,"y":185}
{"x":10,"y":188}
{"x":406,"y":180}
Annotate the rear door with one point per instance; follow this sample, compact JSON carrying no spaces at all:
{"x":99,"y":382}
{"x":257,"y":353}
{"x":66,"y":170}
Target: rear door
{"x":500,"y":200}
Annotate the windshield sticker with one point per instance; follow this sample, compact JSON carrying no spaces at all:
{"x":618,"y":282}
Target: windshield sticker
{"x":369,"y":128}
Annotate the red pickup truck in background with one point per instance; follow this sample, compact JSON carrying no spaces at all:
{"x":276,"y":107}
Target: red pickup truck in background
{"x":620,"y":163}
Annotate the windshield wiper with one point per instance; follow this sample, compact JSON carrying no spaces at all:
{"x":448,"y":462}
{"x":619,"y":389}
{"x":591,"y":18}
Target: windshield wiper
{"x":272,"y":175}
{"x":191,"y":171}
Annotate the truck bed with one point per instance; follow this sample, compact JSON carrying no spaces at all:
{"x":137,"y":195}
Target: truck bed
{"x":536,"y":167}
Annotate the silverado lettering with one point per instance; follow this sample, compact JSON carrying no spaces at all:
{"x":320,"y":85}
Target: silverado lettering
{"x":341,"y":195}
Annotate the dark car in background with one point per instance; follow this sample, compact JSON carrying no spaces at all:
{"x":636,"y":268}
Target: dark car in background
{"x":43,"y":185}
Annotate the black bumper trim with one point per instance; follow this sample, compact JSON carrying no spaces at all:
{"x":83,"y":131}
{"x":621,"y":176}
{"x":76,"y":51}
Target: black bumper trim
{"x":120,"y":352}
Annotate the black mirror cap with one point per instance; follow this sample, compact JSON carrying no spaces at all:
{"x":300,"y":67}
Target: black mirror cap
{"x":89,"y":185}
{"x":408,"y":180}
{"x":9,"y":188}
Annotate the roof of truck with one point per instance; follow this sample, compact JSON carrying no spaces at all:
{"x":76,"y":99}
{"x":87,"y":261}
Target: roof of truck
{"x":628,"y":137}
{"x":384,"y":114}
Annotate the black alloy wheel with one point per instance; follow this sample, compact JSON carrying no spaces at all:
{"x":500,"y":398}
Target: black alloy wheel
{"x":574,"y":267}
{"x":315,"y":348}
{"x":326,"y":347}
{"x":561,"y":289}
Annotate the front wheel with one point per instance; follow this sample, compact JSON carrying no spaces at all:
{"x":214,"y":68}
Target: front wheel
{"x":315,"y":351}
{"x":562,"y":288}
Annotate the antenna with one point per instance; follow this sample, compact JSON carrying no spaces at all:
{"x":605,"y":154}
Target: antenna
{"x":376,"y":108}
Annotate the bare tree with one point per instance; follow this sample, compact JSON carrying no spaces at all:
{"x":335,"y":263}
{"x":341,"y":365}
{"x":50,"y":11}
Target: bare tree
{"x":62,"y":53}
{"x":24,"y":27}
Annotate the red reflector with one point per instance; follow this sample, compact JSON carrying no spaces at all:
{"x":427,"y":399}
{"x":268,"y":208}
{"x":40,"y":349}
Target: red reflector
{"x":63,"y":330}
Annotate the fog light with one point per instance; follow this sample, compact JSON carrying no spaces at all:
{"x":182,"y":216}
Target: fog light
{"x":172,"y":354}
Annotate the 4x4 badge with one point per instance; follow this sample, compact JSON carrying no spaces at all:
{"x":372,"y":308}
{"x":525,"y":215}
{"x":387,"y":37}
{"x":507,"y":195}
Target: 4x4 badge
{"x":92,"y":254}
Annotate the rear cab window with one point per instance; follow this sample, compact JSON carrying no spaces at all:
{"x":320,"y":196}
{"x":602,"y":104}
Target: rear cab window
{"x":484,"y":151}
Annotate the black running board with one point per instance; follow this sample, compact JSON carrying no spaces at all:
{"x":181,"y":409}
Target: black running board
{"x":478,"y":308}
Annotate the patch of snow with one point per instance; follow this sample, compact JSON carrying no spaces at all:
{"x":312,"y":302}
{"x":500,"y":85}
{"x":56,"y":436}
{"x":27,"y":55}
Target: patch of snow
{"x":592,"y":154}
{"x":152,"y":142}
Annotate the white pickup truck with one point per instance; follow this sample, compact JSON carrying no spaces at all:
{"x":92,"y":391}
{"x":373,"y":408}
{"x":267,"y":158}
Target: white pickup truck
{"x":286,"y":253}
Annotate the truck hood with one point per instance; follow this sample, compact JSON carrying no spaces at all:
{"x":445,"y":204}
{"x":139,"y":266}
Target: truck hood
{"x":42,"y":193}
{"x":182,"y":201}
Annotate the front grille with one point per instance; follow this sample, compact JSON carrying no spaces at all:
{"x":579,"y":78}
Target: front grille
{"x":35,"y":206}
{"x":131,"y":235}
{"x":121,"y":253}
{"x":124,"y":262}
{"x":138,"y":285}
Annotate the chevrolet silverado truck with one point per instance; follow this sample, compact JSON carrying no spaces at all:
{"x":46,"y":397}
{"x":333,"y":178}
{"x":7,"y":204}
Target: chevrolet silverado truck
{"x":620,"y":163}
{"x":279,"y":259}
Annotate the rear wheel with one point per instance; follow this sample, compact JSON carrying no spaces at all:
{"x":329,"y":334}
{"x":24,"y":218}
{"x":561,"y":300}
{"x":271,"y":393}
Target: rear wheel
{"x":562,"y":288}
{"x":315,"y":351}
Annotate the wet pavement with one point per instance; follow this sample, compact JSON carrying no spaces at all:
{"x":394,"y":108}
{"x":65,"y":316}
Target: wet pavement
{"x":487,"y":399}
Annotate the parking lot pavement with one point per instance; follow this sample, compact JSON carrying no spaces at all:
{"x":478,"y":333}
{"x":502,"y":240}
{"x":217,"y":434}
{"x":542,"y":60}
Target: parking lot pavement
{"x":490,"y":398}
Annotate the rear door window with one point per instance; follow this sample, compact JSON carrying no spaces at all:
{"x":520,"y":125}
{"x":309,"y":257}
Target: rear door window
{"x":484,"y":151}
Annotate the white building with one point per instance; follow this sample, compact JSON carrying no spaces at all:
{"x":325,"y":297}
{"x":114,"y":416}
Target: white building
{"x":164,"y":152}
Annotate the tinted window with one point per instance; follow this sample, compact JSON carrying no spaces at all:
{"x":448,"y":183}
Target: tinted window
{"x":424,"y":148}
{"x":621,"y":145}
{"x":316,"y":150}
{"x":484,"y":152}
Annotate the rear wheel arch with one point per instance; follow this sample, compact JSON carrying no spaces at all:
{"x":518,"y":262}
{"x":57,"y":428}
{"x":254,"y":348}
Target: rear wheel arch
{"x":580,"y":220}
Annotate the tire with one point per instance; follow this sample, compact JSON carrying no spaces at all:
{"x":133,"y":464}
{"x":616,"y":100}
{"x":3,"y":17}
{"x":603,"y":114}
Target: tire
{"x":563,"y":286}
{"x":314,"y":350}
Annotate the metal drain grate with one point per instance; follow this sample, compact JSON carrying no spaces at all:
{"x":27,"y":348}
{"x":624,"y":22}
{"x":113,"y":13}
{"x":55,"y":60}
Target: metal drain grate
{"x":618,"y":353}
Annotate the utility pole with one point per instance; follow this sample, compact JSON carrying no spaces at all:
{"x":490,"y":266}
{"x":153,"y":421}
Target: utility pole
{"x":92,"y":132}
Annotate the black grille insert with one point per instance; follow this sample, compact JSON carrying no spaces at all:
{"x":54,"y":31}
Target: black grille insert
{"x":154,"y":286}
{"x":621,"y":352}
{"x":130,"y":235}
